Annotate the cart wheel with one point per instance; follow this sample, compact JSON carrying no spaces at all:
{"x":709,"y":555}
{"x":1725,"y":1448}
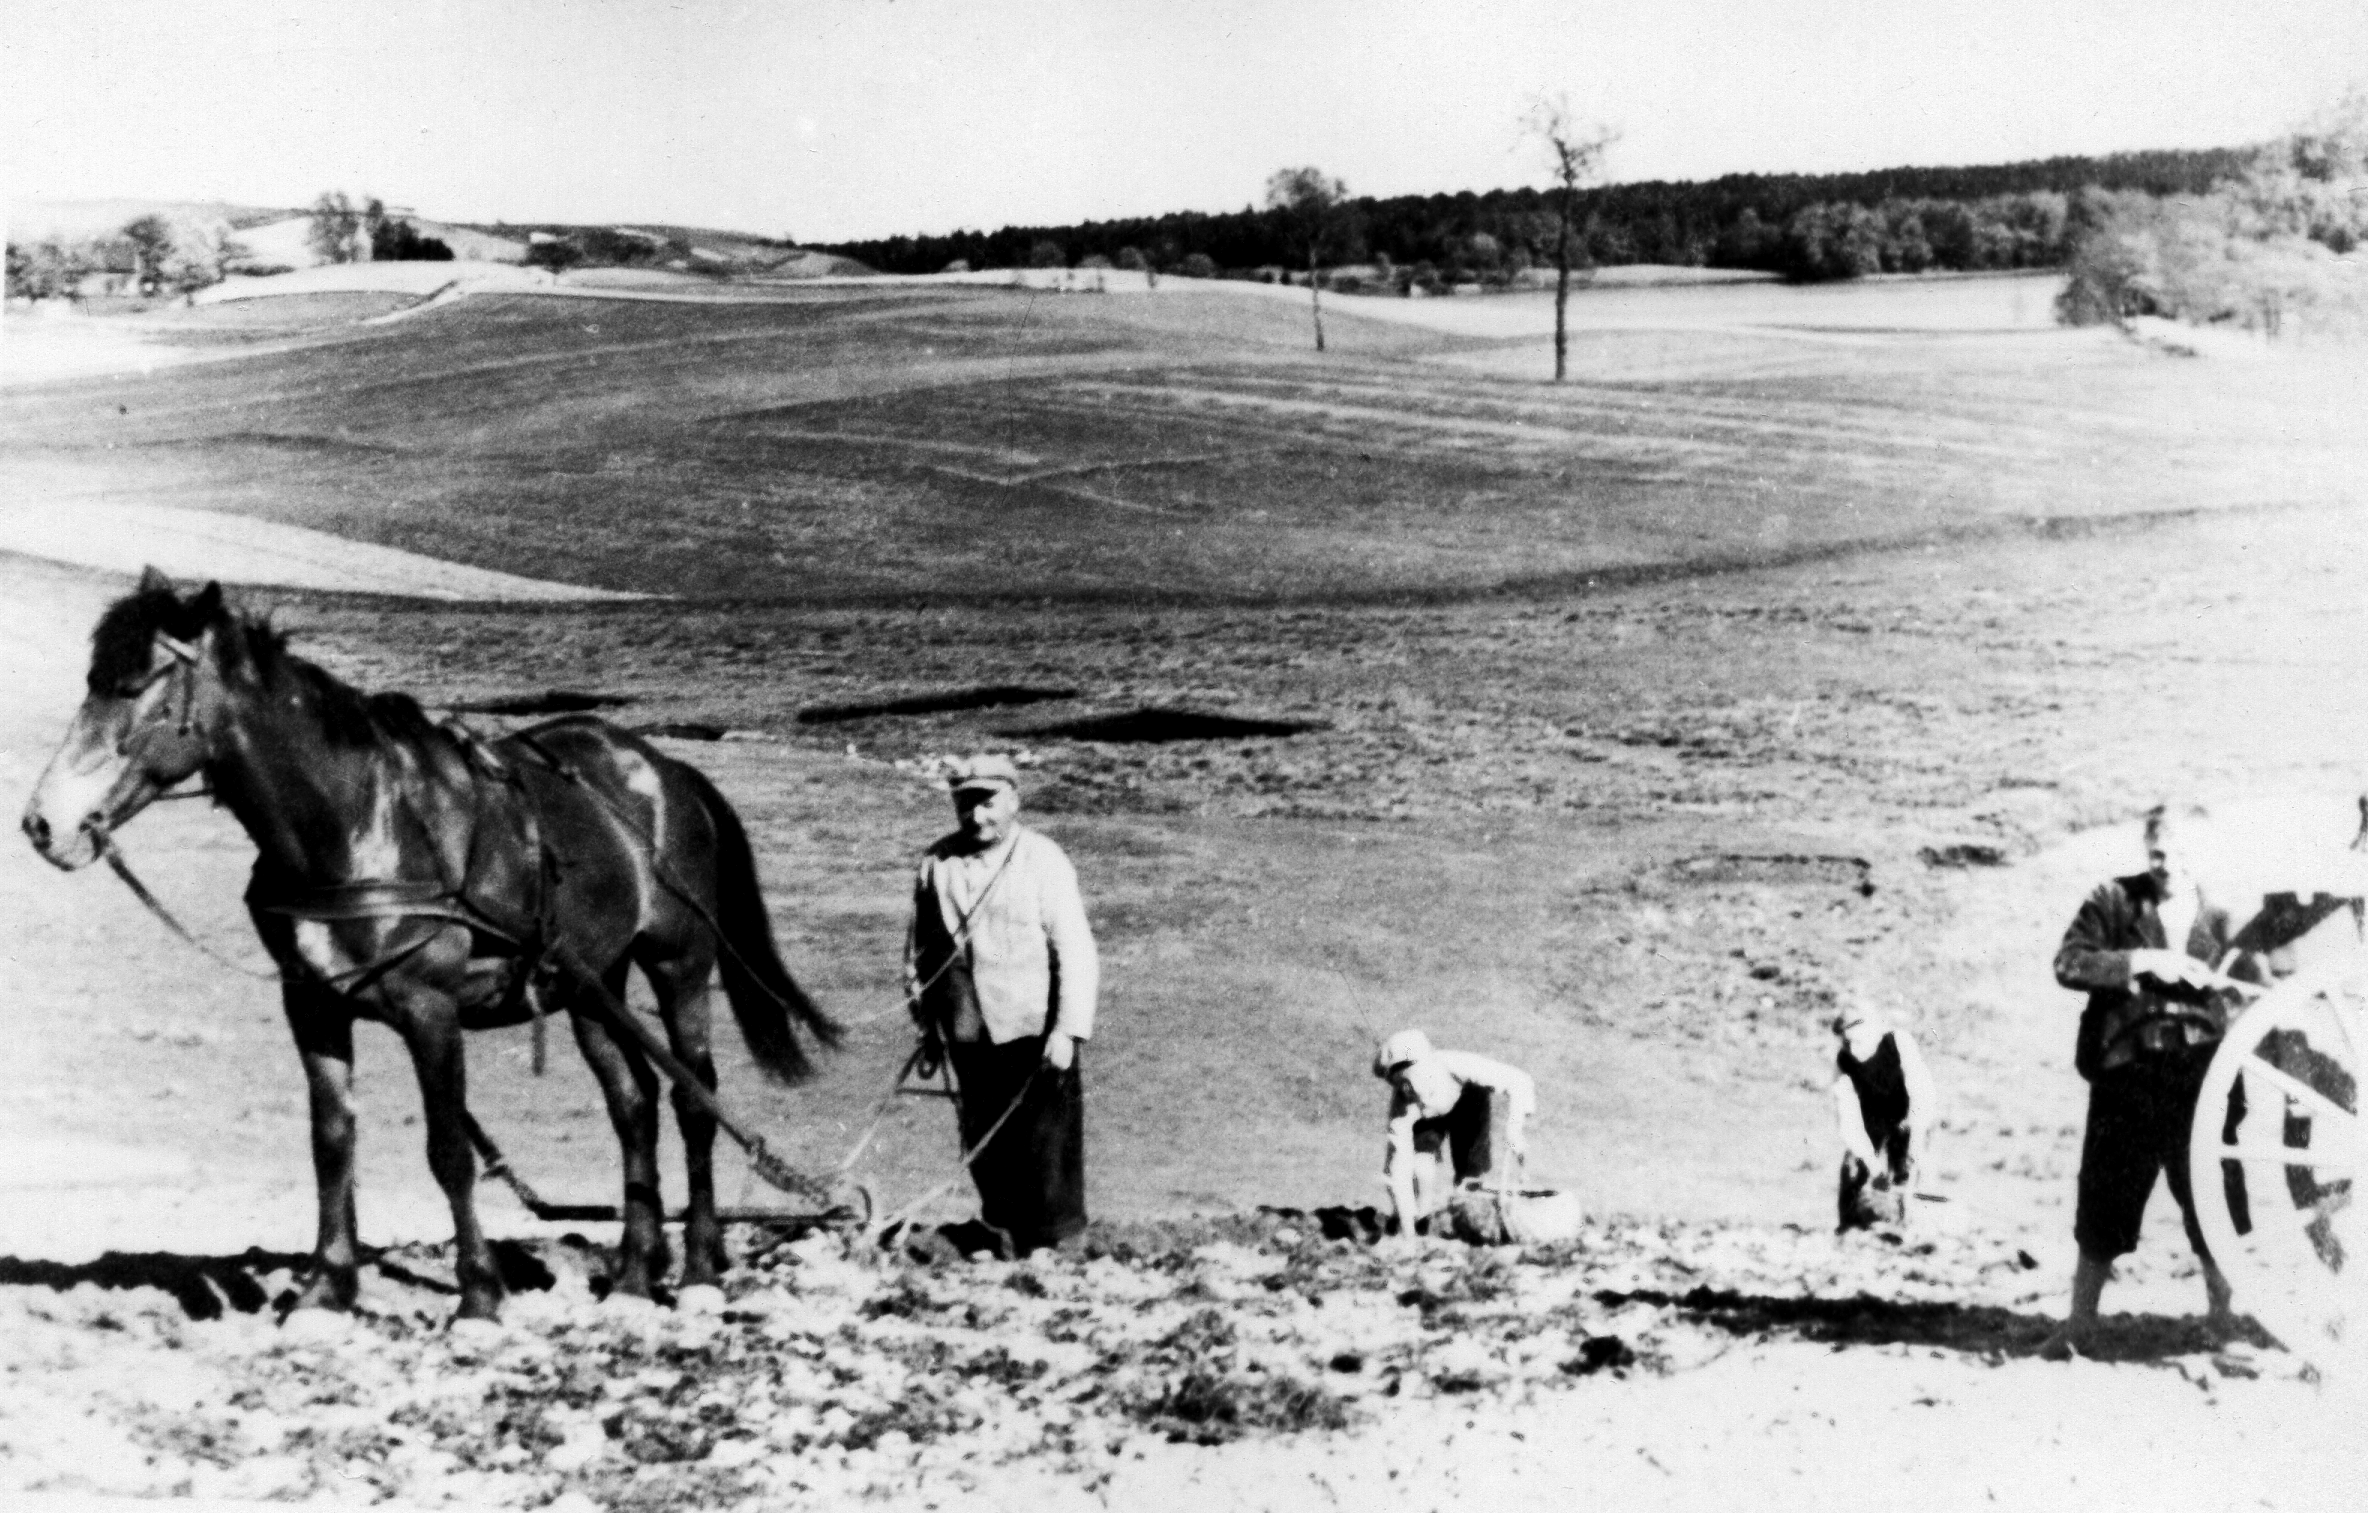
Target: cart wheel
{"x":2276,"y":1156}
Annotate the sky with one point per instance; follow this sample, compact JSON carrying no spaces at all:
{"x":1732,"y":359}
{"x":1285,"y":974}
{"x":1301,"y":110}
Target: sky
{"x":833,"y":120}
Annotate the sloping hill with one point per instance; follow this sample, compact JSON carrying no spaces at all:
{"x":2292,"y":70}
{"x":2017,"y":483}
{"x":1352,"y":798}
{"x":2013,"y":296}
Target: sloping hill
{"x":867,"y":442}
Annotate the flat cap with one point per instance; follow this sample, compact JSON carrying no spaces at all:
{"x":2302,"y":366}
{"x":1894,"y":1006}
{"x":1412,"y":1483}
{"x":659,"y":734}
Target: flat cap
{"x":982,"y":771}
{"x":1399,"y":1050}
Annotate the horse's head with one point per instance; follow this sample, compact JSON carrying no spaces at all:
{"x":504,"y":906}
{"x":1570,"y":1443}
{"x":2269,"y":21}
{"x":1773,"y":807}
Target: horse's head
{"x":146,"y":724}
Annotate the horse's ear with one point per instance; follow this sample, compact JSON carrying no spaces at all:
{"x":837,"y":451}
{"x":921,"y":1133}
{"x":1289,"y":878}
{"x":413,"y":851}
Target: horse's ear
{"x":154,"y":582}
{"x":207,"y":604}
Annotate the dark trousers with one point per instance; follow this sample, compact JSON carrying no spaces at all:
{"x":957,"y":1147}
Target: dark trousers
{"x":1031,"y":1176}
{"x":1467,"y":1133}
{"x":2138,"y":1119}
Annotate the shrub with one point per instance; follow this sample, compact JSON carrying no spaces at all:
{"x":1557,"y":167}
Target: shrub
{"x":554,"y":254}
{"x":401,"y":242}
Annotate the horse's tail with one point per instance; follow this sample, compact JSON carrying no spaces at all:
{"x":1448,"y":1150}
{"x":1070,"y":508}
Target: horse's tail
{"x":764,"y":997}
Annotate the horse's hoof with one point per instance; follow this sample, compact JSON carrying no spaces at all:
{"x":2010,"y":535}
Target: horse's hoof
{"x":629,"y":1284}
{"x":327,"y":1294}
{"x":483,"y":1307}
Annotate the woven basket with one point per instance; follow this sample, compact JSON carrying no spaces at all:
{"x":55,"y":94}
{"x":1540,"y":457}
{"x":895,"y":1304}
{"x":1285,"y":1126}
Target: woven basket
{"x":1523,"y":1216}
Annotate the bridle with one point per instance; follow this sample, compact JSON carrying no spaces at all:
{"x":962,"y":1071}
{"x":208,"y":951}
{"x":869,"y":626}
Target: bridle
{"x":184,"y":658}
{"x":137,"y":782}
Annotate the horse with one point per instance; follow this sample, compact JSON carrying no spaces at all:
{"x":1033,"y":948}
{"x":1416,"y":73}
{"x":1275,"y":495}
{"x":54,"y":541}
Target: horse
{"x":411,"y":874}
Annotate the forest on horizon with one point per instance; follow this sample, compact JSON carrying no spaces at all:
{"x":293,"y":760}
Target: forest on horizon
{"x":1803,"y":226}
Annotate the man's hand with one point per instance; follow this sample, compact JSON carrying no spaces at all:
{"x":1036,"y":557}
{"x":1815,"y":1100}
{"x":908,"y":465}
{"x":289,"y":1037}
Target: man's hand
{"x":2171,"y":967}
{"x":1059,"y":1051}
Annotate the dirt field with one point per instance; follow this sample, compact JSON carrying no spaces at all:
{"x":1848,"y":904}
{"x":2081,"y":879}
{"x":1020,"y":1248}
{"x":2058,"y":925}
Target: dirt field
{"x":1632,"y":706}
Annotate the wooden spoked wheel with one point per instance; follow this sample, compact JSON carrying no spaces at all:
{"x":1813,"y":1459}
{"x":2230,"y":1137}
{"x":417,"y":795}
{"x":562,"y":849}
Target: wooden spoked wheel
{"x":2277,"y":1157}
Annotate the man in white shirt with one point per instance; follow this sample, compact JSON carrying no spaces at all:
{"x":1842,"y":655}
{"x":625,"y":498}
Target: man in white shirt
{"x":1454,"y":1117}
{"x":1001,"y":975}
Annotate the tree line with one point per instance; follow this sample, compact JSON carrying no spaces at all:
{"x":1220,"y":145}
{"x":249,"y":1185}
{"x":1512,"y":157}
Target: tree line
{"x":2270,"y":248}
{"x":159,"y":254}
{"x":150,"y":255}
{"x":1804,"y":226}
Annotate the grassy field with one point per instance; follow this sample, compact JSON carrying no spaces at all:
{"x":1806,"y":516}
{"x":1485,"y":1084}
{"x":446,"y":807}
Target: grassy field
{"x":851,"y":446}
{"x":1764,"y":580}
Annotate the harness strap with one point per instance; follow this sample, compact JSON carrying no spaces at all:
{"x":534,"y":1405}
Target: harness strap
{"x":960,"y":940}
{"x":363,"y":898}
{"x":412,"y":898}
{"x":123,"y":869}
{"x":352,"y":982}
{"x":658,"y":868}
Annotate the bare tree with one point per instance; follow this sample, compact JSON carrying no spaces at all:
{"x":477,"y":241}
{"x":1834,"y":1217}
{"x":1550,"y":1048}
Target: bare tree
{"x":1574,"y":155}
{"x":1312,"y":208}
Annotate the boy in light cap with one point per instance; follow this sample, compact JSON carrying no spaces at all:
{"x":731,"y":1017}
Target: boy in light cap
{"x":1447,"y":1124}
{"x":1883,"y":1103}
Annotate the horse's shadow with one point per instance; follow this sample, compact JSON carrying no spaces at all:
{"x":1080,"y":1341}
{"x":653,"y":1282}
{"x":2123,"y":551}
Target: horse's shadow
{"x":1973,"y":1329}
{"x":207,"y":1287}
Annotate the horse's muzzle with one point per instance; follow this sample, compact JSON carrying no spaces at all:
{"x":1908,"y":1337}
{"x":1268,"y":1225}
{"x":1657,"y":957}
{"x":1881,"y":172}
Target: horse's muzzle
{"x":75,"y":852}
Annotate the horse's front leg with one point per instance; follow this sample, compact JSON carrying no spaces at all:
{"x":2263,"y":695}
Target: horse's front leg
{"x":324,"y":1029}
{"x":430,"y":1026}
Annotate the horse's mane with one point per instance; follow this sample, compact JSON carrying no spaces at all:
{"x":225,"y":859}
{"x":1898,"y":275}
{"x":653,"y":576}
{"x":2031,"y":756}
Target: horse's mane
{"x":123,"y":646}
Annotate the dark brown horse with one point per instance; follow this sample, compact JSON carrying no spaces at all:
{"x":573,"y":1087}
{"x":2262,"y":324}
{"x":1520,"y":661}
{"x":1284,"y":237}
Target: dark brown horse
{"x":412,"y":875}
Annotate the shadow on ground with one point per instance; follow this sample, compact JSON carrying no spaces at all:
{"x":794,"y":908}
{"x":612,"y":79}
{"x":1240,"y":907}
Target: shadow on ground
{"x":207,"y":1287}
{"x":1980,"y":1330}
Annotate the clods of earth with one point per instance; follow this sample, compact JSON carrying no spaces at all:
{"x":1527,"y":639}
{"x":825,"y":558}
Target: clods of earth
{"x":827,"y":1368}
